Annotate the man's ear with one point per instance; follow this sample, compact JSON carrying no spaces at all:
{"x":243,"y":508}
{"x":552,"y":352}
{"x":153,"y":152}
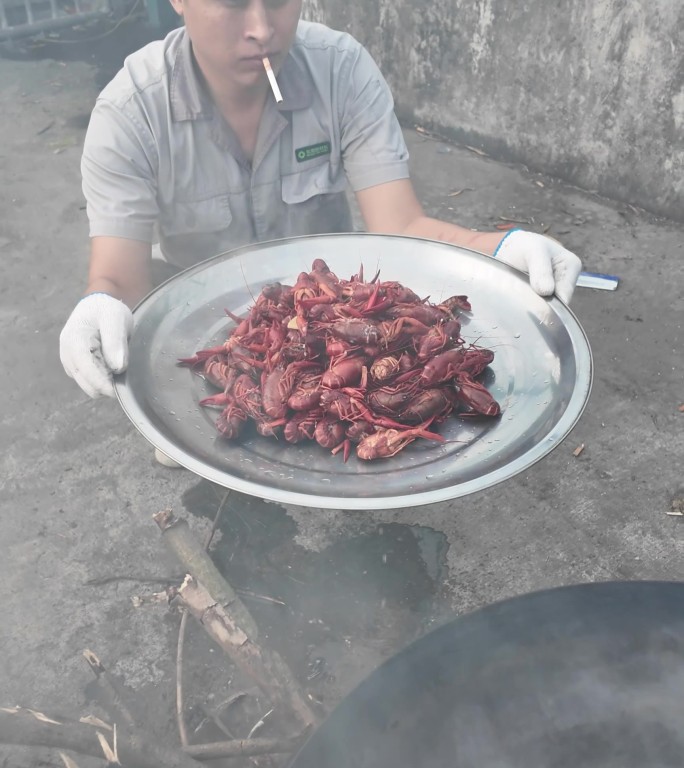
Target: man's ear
{"x":177,"y":6}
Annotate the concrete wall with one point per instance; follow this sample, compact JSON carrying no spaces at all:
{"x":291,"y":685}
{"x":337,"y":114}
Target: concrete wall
{"x":590,"y":91}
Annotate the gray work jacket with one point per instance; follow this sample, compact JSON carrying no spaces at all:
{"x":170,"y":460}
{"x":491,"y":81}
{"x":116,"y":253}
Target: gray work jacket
{"x":160,"y":162}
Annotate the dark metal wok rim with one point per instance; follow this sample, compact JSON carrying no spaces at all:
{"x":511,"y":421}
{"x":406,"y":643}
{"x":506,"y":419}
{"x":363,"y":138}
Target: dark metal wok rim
{"x":571,"y":609}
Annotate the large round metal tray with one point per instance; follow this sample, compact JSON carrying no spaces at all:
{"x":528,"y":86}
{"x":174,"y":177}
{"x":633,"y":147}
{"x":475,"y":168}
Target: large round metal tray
{"x":541,"y":375}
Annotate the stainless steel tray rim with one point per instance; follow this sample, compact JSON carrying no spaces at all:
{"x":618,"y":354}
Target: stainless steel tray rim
{"x":418,"y":490}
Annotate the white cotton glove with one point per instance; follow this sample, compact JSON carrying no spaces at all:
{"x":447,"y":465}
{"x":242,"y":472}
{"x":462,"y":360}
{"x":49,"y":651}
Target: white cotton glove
{"x":93,"y":344}
{"x":551,"y":267}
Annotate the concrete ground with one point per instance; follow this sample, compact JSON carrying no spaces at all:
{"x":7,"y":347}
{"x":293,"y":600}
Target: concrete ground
{"x":79,"y":484}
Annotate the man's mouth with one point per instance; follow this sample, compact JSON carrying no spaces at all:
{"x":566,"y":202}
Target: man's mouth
{"x":260,"y":56}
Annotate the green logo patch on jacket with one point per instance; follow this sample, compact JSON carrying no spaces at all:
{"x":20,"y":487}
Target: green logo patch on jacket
{"x":313,"y":150}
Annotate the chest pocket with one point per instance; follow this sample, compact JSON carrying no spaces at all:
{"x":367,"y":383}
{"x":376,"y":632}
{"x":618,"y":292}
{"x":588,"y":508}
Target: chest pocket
{"x":197,"y":216}
{"x":322,"y":179}
{"x":194,"y":230}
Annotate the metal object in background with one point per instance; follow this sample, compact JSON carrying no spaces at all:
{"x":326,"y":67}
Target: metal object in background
{"x":587,"y":676}
{"x":31,"y":18}
{"x":21,"y":18}
{"x":541,"y":375}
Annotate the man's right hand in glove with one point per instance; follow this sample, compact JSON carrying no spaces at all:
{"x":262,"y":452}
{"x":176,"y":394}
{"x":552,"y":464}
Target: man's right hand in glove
{"x":93,"y":345}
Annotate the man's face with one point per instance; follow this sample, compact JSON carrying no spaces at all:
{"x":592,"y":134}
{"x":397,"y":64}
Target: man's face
{"x":230,"y":37}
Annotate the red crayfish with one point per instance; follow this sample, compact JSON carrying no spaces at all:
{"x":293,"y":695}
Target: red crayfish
{"x":344,"y":363}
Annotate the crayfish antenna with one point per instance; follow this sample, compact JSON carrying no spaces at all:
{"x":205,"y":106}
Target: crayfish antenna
{"x":422,"y":431}
{"x":233,"y":316}
{"x":244,"y":278}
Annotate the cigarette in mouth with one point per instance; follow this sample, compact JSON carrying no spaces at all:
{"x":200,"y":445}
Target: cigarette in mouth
{"x":272,"y":80}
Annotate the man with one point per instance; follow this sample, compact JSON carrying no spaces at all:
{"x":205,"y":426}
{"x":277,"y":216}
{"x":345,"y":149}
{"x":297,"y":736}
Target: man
{"x":188,"y":144}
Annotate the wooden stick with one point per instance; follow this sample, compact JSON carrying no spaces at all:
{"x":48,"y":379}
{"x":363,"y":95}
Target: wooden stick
{"x":218,"y":722}
{"x":135,"y":750}
{"x":245,"y":747}
{"x":27,"y":727}
{"x":68,"y":761}
{"x":214,"y":717}
{"x":266,"y":667}
{"x":177,"y":536}
{"x":110,"y":686}
{"x":227,"y":620}
{"x":180,"y":717}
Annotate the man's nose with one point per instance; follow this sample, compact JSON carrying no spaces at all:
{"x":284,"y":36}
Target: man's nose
{"x":258,"y":24}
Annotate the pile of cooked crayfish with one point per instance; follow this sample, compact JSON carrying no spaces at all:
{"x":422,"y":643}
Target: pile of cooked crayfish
{"x":345,"y":362}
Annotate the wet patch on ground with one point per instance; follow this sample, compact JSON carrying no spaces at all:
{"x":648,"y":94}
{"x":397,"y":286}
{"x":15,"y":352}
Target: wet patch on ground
{"x":333,"y":614}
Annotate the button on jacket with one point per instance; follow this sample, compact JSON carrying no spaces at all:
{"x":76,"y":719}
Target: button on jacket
{"x":160,"y":162}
